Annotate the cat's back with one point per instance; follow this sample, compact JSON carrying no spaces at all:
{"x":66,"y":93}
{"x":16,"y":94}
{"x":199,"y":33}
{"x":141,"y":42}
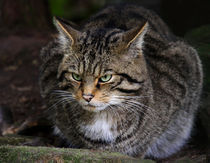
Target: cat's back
{"x":128,"y":16}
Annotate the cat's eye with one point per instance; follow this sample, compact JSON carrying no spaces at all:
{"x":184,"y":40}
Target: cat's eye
{"x":105,"y":78}
{"x":76,"y":77}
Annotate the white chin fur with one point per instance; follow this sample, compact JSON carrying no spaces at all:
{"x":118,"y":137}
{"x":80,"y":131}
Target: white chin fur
{"x":101,"y":128}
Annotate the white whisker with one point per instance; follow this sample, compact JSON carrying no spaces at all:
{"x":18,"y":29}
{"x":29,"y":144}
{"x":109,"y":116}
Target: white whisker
{"x":61,"y":97}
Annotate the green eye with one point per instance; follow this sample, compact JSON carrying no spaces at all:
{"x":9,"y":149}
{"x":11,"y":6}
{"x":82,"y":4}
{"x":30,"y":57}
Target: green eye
{"x":105,"y":78}
{"x":76,"y":77}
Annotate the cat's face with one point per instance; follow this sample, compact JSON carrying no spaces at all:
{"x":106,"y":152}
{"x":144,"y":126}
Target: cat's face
{"x":93,"y":91}
{"x":98,"y":77}
{"x":103,"y":82}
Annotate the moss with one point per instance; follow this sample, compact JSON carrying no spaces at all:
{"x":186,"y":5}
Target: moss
{"x":185,"y":161}
{"x":199,"y":159}
{"x":50,"y":154}
{"x":14,"y":140}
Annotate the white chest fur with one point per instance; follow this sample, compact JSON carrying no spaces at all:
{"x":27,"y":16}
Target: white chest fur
{"x":102,"y":127}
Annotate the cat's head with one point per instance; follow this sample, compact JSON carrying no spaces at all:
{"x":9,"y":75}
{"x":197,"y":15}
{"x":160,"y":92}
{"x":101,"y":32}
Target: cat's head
{"x":101,"y":68}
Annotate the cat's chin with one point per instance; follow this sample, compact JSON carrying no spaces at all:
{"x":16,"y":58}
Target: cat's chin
{"x":92,"y":108}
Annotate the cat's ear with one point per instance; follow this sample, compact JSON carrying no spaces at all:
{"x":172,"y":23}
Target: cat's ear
{"x":67,"y":32}
{"x":135,"y":37}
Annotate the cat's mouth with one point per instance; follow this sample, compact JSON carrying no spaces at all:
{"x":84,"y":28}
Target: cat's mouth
{"x":94,"y":108}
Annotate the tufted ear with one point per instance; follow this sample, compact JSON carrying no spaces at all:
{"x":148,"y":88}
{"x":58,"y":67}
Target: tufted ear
{"x":67,"y":32}
{"x":135,"y":37}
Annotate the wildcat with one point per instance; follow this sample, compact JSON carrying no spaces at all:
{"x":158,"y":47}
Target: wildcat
{"x":121,"y":82}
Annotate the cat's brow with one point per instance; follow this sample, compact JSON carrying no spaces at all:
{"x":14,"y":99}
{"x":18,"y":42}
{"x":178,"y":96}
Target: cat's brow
{"x":108,"y":70}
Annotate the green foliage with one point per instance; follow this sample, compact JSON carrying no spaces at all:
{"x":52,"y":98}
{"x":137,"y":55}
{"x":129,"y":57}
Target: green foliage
{"x":80,"y":10}
{"x":74,"y":10}
{"x":58,"y":8}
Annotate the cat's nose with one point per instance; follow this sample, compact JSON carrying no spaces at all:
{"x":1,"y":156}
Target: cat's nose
{"x":88,"y":97}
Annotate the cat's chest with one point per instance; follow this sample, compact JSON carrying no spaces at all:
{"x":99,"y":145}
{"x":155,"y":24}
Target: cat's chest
{"x":101,"y":128}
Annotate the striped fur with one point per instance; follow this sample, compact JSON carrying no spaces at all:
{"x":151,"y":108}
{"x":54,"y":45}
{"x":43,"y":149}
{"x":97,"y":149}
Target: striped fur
{"x":147,"y":107}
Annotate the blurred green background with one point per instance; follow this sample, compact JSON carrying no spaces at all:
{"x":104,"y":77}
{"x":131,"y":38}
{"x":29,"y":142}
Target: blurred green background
{"x":180,"y":15}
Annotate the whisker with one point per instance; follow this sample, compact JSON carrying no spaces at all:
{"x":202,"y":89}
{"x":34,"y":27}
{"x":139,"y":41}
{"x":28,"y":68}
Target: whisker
{"x":139,"y":103}
{"x":61,"y":101}
{"x":116,"y":114}
{"x":63,"y":96}
{"x":130,"y":109}
{"x":131,"y":97}
{"x":60,"y":92}
{"x":136,"y":109}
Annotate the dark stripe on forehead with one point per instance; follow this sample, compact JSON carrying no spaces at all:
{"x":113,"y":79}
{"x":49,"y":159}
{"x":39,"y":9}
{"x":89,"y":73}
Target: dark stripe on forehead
{"x":84,"y":65}
{"x":130,"y":79}
{"x":92,"y":54}
{"x":94,"y":68}
{"x":100,"y":49}
{"x":98,"y":45}
{"x":109,"y":36}
{"x":115,"y":40}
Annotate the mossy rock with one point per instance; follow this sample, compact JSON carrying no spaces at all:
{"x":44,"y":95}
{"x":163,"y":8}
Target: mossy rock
{"x":11,"y":150}
{"x":14,"y":140}
{"x":10,"y":154}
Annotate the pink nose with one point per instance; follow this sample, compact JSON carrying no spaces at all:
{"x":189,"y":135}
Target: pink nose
{"x":88,"y":97}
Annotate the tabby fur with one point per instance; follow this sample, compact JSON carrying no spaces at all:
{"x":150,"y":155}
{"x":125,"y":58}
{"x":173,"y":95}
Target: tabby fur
{"x":149,"y":105}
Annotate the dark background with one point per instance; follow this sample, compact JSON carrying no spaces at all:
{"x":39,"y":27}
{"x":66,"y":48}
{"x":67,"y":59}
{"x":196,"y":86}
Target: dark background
{"x":26,"y":26}
{"x":180,"y":15}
